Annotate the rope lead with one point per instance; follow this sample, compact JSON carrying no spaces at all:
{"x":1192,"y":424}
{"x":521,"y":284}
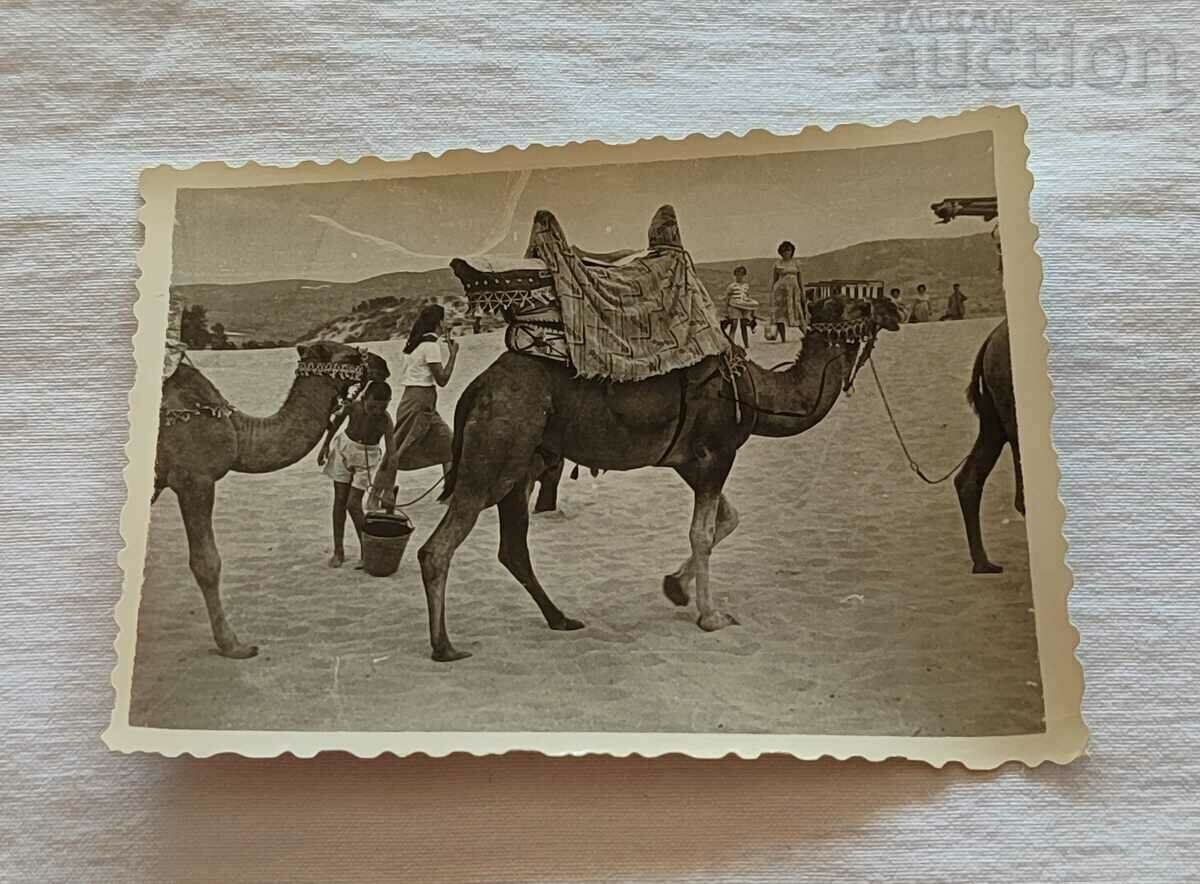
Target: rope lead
{"x":912,"y":464}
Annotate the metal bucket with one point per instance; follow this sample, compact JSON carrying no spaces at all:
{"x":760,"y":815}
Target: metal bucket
{"x":385,"y":537}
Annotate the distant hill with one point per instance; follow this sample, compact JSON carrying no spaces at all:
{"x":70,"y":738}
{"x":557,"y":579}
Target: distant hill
{"x":301,"y":309}
{"x":380,"y":322}
{"x":287,"y":309}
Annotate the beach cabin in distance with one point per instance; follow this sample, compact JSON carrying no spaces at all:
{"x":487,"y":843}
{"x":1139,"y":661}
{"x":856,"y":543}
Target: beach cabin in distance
{"x":860,"y":289}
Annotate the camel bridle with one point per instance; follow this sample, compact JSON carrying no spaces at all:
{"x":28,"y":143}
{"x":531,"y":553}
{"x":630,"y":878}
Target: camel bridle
{"x":860,"y":333}
{"x":351,"y":373}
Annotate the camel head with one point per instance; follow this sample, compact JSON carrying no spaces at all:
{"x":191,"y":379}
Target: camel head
{"x":848,"y":327}
{"x":886,"y":313}
{"x":346,"y":366}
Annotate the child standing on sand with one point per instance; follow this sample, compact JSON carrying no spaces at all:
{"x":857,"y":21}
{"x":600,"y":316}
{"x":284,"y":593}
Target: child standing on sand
{"x":355,"y":459}
{"x":739,"y":307}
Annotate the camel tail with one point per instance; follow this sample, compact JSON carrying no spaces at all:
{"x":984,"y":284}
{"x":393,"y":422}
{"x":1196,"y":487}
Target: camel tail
{"x":977,"y":393}
{"x":466,"y":402}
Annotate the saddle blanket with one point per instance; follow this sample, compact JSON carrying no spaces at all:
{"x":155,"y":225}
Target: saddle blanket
{"x":626,"y":316}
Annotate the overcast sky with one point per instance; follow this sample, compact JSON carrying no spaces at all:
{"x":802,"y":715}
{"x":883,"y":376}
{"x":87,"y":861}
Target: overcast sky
{"x":729,"y":207}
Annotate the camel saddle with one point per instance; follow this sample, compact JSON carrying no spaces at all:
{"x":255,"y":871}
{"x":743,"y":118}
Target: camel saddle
{"x":621,"y":316}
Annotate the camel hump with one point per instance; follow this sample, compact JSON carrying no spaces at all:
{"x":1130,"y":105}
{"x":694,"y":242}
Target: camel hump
{"x":188,"y":389}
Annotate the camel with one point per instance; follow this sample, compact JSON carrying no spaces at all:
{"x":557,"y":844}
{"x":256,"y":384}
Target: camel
{"x":202,"y":438}
{"x":548,"y":482}
{"x":523,"y":414}
{"x":991,"y":396}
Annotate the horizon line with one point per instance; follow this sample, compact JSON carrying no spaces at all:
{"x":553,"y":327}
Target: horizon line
{"x":446,"y":266}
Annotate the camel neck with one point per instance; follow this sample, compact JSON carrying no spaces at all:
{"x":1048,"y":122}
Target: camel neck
{"x":809,"y":388}
{"x":270,"y":443}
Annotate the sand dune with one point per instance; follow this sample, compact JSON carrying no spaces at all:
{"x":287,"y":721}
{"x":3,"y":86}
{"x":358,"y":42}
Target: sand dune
{"x":850,"y":577}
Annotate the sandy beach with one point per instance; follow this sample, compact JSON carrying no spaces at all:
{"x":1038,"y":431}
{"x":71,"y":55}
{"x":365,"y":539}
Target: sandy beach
{"x":850,"y":577}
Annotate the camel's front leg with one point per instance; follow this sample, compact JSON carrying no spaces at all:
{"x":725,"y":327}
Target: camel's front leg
{"x":196,"y":504}
{"x":676,"y":584}
{"x":703,"y":539}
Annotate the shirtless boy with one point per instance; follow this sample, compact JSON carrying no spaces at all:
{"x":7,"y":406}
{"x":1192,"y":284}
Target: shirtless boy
{"x":355,"y":459}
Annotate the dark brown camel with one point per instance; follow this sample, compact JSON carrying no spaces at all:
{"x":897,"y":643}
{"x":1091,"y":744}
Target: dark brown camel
{"x":991,"y":396}
{"x":201,"y":438}
{"x":548,"y":482}
{"x":523,"y":413}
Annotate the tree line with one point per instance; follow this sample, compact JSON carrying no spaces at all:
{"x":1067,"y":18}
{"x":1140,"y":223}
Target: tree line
{"x":196,"y":334}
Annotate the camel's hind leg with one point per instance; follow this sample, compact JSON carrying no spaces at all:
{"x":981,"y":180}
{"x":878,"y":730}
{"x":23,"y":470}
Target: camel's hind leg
{"x":1019,"y":500}
{"x":675,"y":585}
{"x":196,"y":504}
{"x":1010,"y":432}
{"x":435,"y":555}
{"x":514,"y":554}
{"x":706,"y":478}
{"x":499,"y":449}
{"x":969,"y":483}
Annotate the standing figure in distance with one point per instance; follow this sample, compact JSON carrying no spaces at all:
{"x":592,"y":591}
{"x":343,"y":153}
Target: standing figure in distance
{"x":740,"y":307}
{"x":920,"y":307}
{"x":787,"y":292}
{"x":956,"y":305}
{"x":894,"y":294}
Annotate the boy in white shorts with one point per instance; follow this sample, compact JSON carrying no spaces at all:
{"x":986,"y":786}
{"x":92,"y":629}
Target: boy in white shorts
{"x":355,"y":459}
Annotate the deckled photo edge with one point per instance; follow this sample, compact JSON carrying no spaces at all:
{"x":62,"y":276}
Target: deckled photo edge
{"x":149,"y":346}
{"x":1065,"y":735}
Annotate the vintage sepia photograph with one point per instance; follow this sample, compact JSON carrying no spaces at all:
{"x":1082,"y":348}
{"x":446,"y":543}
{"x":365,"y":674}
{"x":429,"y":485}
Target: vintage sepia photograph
{"x":721,"y":445}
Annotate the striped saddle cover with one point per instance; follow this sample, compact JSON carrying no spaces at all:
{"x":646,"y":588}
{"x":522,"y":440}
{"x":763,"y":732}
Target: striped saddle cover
{"x":620,"y":316}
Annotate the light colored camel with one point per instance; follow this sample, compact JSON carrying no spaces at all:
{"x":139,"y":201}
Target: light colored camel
{"x":201,"y":438}
{"x":523,"y":413}
{"x":991,"y":395}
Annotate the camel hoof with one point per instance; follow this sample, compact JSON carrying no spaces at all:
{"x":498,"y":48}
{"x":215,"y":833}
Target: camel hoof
{"x":716,"y":620}
{"x":566,"y":624}
{"x":674,"y":589}
{"x":986,"y":568}
{"x":449,"y":655}
{"x":239,"y":651}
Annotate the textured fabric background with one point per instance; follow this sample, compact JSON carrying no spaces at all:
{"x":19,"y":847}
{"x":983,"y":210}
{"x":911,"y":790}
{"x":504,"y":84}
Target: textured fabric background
{"x":89,"y":96}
